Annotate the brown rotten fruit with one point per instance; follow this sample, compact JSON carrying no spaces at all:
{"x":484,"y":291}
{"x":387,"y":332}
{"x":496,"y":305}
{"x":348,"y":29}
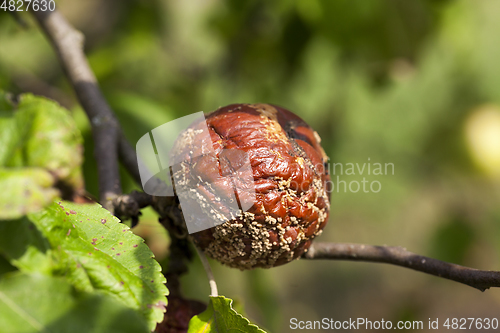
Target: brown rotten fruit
{"x":291,"y":202}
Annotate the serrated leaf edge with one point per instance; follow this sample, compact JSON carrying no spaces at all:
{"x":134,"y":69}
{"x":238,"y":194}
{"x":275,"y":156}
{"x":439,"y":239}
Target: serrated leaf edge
{"x":233,"y":311}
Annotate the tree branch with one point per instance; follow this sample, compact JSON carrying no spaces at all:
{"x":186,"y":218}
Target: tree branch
{"x":128,"y":157}
{"x":129,"y":205}
{"x":399,"y":256}
{"x":68,"y":44}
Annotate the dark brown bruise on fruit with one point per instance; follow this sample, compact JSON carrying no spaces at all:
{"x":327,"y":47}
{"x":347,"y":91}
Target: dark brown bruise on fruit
{"x":292,"y":201}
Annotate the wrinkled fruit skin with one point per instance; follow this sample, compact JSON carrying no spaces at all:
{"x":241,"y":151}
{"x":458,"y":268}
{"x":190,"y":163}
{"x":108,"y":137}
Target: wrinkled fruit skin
{"x":292,"y":199}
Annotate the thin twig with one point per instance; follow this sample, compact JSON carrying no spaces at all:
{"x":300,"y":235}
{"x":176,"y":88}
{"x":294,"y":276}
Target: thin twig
{"x":399,"y":256}
{"x":129,"y":205}
{"x":208,"y":270}
{"x":68,"y":44}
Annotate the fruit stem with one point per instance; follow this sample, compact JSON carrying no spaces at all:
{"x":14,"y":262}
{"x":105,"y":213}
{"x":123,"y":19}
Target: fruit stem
{"x":208,"y":270}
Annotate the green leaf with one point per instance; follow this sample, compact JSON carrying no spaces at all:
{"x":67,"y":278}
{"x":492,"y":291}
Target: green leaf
{"x":37,"y":132}
{"x":52,"y":139}
{"x":24,"y":190}
{"x":9,"y":134}
{"x":40,"y":146}
{"x":40,"y":303}
{"x":220,"y":317}
{"x":24,"y":246}
{"x":98,"y":253}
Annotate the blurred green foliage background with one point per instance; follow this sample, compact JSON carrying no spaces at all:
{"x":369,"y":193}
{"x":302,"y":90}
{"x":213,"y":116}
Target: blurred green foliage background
{"x":413,"y":83}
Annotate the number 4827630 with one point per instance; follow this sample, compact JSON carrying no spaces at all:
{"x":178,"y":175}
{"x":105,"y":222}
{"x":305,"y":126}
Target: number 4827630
{"x":478,"y":323}
{"x":34,"y":5}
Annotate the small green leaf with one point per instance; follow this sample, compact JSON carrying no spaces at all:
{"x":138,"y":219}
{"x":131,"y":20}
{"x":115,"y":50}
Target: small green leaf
{"x":24,"y":190}
{"x":53,"y":140}
{"x":100,"y":254}
{"x":40,"y":303}
{"x":40,"y":146}
{"x":38,"y":132}
{"x":10,"y":136}
{"x":25,"y":247}
{"x":220,"y":317}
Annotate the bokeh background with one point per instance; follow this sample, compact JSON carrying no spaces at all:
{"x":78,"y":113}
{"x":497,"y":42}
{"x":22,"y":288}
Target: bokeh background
{"x":413,"y":83}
